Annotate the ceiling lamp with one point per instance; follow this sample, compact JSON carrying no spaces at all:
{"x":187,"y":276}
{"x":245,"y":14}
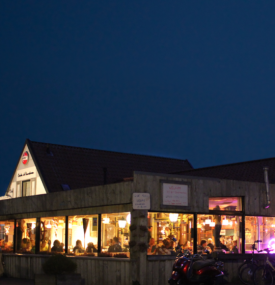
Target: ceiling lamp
{"x":225,"y":222}
{"x":106,"y":220}
{"x":207,"y":221}
{"x":128,"y":219}
{"x":173,"y":217}
{"x":212,"y":224}
{"x":48,"y":225}
{"x":122,"y":222}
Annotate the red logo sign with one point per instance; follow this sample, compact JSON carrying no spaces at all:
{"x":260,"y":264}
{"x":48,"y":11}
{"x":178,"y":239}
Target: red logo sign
{"x":25,"y":157}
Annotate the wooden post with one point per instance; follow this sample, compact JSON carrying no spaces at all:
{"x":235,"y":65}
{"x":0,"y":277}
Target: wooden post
{"x":37,"y":236}
{"x":99,"y":233}
{"x":66,"y":234}
{"x":195,"y":233}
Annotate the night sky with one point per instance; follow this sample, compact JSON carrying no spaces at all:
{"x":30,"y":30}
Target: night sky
{"x":184,"y":79}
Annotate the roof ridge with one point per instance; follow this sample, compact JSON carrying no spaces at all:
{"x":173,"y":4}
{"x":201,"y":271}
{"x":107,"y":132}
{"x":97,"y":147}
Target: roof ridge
{"x":118,"y":152}
{"x":229,"y":164}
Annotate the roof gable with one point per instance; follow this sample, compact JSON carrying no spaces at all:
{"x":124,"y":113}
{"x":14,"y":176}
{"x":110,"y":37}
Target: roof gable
{"x":26,"y":169}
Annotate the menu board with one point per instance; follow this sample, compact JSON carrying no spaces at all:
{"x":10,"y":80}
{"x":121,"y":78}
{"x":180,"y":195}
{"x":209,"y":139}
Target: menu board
{"x":175,"y":194}
{"x":141,"y":201}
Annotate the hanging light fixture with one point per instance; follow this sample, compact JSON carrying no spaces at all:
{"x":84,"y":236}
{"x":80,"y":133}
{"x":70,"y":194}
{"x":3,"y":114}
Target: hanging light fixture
{"x":106,"y":220}
{"x":225,"y":222}
{"x":207,"y":221}
{"x":122,"y":222}
{"x":212,"y":224}
{"x":48,"y":225}
{"x":173,"y":217}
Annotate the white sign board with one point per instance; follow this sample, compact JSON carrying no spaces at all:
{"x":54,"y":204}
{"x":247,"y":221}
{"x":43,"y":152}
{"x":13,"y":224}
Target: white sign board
{"x":141,"y":201}
{"x":175,"y":194}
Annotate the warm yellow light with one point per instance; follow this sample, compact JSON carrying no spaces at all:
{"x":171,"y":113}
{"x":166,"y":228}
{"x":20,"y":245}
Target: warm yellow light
{"x":122,"y":223}
{"x":212,"y":224}
{"x":48,"y":225}
{"x":106,"y":220}
{"x":173,"y":217}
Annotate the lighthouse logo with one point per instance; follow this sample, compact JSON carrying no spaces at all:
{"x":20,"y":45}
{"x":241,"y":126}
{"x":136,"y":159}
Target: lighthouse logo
{"x":25,"y":157}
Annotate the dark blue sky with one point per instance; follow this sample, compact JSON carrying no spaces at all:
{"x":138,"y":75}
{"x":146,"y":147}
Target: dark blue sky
{"x":183,"y":79}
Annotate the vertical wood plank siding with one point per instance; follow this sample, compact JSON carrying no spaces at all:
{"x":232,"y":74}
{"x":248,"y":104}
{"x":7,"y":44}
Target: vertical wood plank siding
{"x":95,"y":271}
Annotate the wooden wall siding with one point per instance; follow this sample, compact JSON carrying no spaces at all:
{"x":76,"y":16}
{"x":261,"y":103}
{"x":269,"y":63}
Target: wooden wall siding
{"x":203,"y":188}
{"x":158,"y":272}
{"x":73,"y":212}
{"x":111,"y":194}
{"x":95,"y":271}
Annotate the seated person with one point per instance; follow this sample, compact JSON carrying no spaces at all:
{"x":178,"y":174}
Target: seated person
{"x":44,"y":247}
{"x":115,"y":247}
{"x":164,"y":248}
{"x":223,"y":246}
{"x":210,"y":244}
{"x":78,"y":247}
{"x":91,"y":248}
{"x":24,"y":244}
{"x":203,"y":247}
{"x":56,"y":246}
{"x":152,"y":246}
{"x":234,"y":248}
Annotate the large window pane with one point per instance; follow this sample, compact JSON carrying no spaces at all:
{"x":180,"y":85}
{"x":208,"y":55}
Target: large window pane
{"x":225,"y":203}
{"x":219,"y":231}
{"x":26,"y":185}
{"x":115,"y":233}
{"x":25,"y":235}
{"x":6,"y":235}
{"x":165,"y":227}
{"x":83,"y":235}
{"x":52,"y":234}
{"x":259,"y":228}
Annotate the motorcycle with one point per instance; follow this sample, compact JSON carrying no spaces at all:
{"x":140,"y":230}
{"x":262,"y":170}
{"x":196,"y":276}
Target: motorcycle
{"x":194,"y":269}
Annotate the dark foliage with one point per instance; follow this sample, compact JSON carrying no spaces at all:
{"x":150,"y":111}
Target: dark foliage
{"x":58,"y":264}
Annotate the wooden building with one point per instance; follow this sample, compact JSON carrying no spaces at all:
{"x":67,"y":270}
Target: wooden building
{"x":133,"y":210}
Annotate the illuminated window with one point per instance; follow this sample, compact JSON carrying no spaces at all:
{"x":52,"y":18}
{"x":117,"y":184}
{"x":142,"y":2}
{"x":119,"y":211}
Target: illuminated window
{"x":115,"y":233}
{"x":25,"y":235}
{"x":52,"y":235}
{"x":225,"y":203}
{"x":83,"y":235}
{"x":259,"y":228}
{"x":169,"y":232}
{"x":6,"y":235}
{"x":219,"y":231}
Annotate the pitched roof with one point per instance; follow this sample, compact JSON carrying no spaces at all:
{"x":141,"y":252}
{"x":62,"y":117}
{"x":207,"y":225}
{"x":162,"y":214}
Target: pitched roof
{"x":82,"y":167}
{"x":244,"y":171}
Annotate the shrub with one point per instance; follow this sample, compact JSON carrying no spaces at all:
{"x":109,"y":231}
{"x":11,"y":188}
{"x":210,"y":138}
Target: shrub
{"x":58,"y":264}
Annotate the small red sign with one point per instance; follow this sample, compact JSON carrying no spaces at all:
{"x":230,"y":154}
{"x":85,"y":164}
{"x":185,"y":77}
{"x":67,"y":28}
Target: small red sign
{"x":25,"y":157}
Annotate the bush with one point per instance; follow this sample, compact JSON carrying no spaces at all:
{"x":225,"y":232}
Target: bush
{"x":58,"y":264}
